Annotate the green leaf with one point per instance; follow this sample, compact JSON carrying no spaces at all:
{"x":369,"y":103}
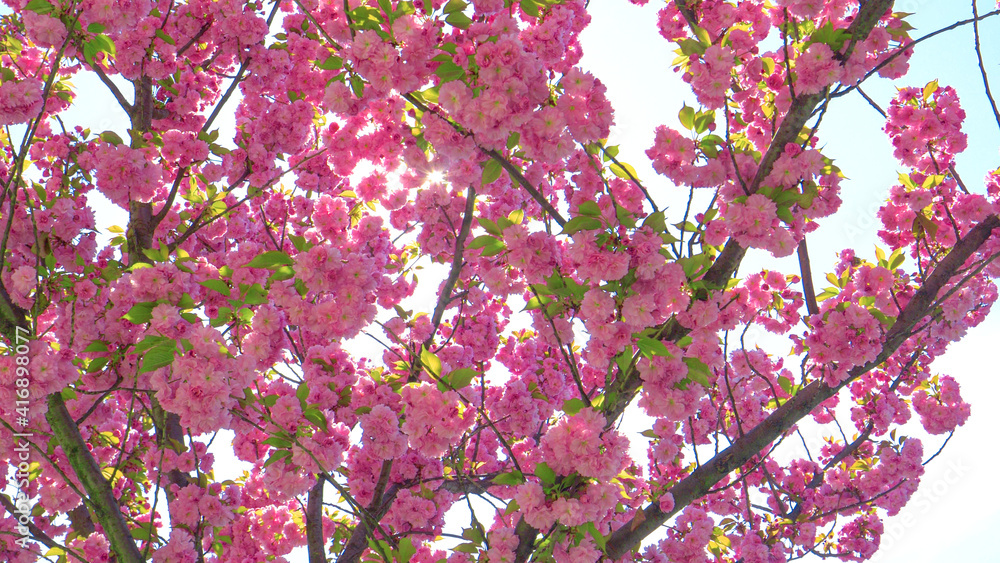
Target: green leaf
{"x":462,"y":377}
{"x":896,"y":259}
{"x":494,"y":246}
{"x":144,"y":532}
{"x":140,"y":313}
{"x":149,"y":342}
{"x":97,"y":364}
{"x":282,"y":273}
{"x":111,"y":137}
{"x":827,"y":293}
{"x":907,"y":181}
{"x":652,"y":347}
{"x":702,"y":34}
{"x":225,"y":315}
{"x":513,"y":140}
{"x":158,"y":357}
{"x":785,"y":214}
{"x":216,"y":285}
{"x":95,"y":27}
{"x":454,"y":6}
{"x":512,"y":478}
{"x":589,"y":208}
{"x":623,"y":171}
{"x":449,"y":71}
{"x":886,"y":320}
{"x":256,"y":295}
{"x":271,"y":260}
{"x":300,"y":288}
{"x":492,"y":171}
{"x":331,"y":63}
{"x":490,"y":226}
{"x":316,"y":417}
{"x":698,"y":371}
{"x":599,"y":539}
{"x":166,"y":38}
{"x":357,"y":85}
{"x":530,"y":7}
{"x":300,"y":242}
{"x":481,"y":241}
{"x":406,"y":550}
{"x":98,"y":44}
{"x":703,"y":120}
{"x":686,"y":116}
{"x":459,"y":20}
{"x":278,"y":442}
{"x":97,"y":346}
{"x":656,"y":221}
{"x":431,"y":362}
{"x":573,"y":406}
{"x":929,"y":90}
{"x":785,"y":384}
{"x":39,"y":7}
{"x":538,"y":302}
{"x":545,"y":473}
{"x":277,"y":456}
{"x":625,"y":217}
{"x":302,"y":392}
{"x":581,"y":223}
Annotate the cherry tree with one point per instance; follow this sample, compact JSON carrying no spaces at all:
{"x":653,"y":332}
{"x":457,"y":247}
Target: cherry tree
{"x":376,"y":138}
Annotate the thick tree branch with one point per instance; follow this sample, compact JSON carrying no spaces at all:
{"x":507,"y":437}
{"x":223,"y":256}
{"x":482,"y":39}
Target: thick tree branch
{"x":526,"y":535}
{"x":103,"y":504}
{"x":728,"y":261}
{"x":369,"y":519}
{"x":314,"y":523}
{"x":701,"y":480}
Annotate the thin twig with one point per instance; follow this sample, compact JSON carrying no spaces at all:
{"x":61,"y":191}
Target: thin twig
{"x":456,"y":265}
{"x":982,"y":68}
{"x":807,"y":281}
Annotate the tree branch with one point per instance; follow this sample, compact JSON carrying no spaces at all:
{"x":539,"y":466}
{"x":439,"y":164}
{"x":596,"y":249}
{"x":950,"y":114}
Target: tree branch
{"x":36,"y":532}
{"x":807,"y":279}
{"x":514,"y":172}
{"x":114,"y":89}
{"x":314,"y":523}
{"x":103,"y":504}
{"x":701,"y":480}
{"x":982,"y":68}
{"x":357,"y":543}
{"x":456,"y":264}
{"x":732,"y":255}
